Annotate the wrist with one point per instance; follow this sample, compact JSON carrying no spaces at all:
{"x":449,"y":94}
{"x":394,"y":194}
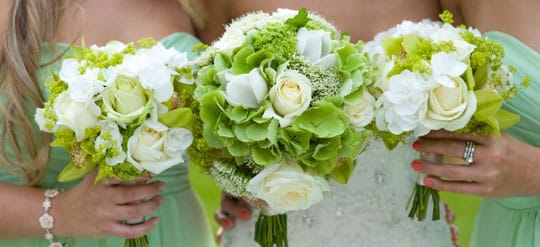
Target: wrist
{"x":46,"y":220}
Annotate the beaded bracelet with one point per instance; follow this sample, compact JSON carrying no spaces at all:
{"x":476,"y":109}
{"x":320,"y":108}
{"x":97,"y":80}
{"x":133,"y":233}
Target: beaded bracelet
{"x":46,"y":220}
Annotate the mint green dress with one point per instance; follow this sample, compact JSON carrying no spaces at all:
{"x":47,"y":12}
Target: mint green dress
{"x":182,"y":219}
{"x":515,"y":221}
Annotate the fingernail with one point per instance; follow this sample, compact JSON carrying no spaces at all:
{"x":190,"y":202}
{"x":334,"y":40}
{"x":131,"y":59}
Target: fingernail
{"x":427,"y":182}
{"x":160,"y":186}
{"x":227,"y":223}
{"x":416,"y":165}
{"x":244,"y":214}
{"x":416,"y":145}
{"x":156,"y":221}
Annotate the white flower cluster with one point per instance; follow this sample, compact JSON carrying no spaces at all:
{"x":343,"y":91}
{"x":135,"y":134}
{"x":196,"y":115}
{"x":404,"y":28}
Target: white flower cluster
{"x":420,"y":101}
{"x":127,"y":95}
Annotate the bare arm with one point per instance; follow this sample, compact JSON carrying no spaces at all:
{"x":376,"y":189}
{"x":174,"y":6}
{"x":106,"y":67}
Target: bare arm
{"x":86,"y":210}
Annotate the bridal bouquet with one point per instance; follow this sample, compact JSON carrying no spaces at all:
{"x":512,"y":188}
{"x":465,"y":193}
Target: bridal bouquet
{"x":120,"y":109}
{"x":286,"y":97}
{"x":437,"y":76}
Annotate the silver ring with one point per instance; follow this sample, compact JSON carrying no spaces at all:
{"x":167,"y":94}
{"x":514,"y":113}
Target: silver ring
{"x":106,"y":182}
{"x":468,"y":155}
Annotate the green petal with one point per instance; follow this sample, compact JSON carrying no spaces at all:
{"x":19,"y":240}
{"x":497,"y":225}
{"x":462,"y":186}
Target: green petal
{"x":324,"y":120}
{"x":71,"y":172}
{"x":266,"y":156}
{"x":506,"y":119}
{"x":488,"y":103}
{"x":177,"y":118}
{"x":392,"y":46}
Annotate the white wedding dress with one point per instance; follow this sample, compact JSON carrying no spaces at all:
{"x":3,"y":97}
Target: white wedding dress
{"x":368,"y":211}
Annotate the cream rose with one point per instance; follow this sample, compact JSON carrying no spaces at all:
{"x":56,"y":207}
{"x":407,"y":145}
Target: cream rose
{"x":75,"y":115}
{"x":286,"y":187}
{"x":450,"y":103}
{"x":154,"y":147}
{"x":126,"y":101}
{"x":289,"y":97}
{"x":362,"y":112}
{"x":450,"y":108}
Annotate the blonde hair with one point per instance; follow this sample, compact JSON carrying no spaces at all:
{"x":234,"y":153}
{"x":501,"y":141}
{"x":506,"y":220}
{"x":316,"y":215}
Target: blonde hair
{"x":31,"y":23}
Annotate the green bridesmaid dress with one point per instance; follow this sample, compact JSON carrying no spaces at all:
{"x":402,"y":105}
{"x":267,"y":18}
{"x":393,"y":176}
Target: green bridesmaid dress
{"x":515,"y":221}
{"x":182,"y":219}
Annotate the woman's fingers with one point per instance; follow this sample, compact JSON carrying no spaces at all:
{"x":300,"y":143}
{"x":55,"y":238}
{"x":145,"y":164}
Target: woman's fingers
{"x":235,"y":208}
{"x":454,"y":172}
{"x":136,"y":210}
{"x":130,"y":231}
{"x":450,"y":147}
{"x":130,"y":193}
{"x":460,"y":187}
{"x":223,"y":219}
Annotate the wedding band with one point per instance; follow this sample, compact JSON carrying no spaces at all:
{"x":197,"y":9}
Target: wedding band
{"x":468,"y":155}
{"x":106,"y":182}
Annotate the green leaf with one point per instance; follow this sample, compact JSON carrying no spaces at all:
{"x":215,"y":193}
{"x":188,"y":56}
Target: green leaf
{"x":266,"y":156}
{"x":300,"y":20}
{"x":480,"y":77}
{"x":224,"y":131}
{"x":488,"y":103}
{"x":257,"y":132}
{"x":327,"y":149}
{"x":222,"y":61}
{"x":211,"y":108}
{"x":238,"y":114}
{"x":71,"y":172}
{"x":506,"y":119}
{"x":238,"y":149}
{"x":324,"y":120}
{"x":392,"y":46}
{"x":296,"y":142}
{"x":343,"y":171}
{"x":240,"y":65}
{"x":177,"y":118}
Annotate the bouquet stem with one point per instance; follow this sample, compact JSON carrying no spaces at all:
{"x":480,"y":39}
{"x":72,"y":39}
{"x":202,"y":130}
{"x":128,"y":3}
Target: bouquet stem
{"x":136,"y":242}
{"x":271,"y":230}
{"x":421,"y":195}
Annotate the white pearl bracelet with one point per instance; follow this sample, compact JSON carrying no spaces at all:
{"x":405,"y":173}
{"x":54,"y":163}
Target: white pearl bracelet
{"x":46,"y":221}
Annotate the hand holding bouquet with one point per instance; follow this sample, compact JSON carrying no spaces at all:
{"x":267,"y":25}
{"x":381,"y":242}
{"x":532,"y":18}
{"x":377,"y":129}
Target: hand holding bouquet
{"x":120,"y":109}
{"x":286,"y":98}
{"x":437,"y":76}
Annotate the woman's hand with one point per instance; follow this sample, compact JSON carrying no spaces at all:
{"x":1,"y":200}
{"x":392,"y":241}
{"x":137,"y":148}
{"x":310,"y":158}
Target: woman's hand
{"x":97,"y":210}
{"x":502,"y":166}
{"x":231,"y":209}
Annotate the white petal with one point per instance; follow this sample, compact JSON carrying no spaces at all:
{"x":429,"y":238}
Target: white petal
{"x":447,"y":64}
{"x":258,"y":85}
{"x":157,"y":79}
{"x":239,"y":92}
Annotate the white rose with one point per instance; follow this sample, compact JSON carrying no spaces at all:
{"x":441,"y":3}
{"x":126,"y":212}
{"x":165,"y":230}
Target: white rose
{"x":289,"y":97}
{"x":154,"y":147}
{"x":247,"y":90}
{"x":362,"y":112}
{"x":450,"y":105}
{"x":286,"y":187}
{"x":75,"y":115}
{"x":316,"y":45}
